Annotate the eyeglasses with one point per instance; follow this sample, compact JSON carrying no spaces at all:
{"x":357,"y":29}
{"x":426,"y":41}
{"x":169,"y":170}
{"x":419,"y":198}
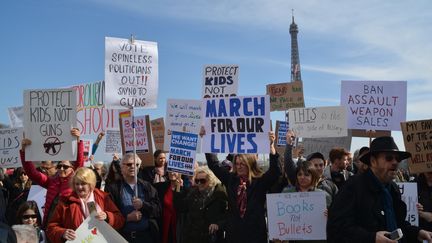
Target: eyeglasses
{"x":130,"y":165}
{"x":391,"y":157}
{"x":200,"y":181}
{"x":28,"y":216}
{"x":64,"y":167}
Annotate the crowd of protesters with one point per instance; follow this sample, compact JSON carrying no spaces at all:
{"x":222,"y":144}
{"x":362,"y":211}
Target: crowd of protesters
{"x":224,"y":201}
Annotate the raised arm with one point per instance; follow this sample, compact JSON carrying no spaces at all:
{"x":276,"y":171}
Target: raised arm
{"x":80,"y":152}
{"x":289,"y":165}
{"x":272,"y":174}
{"x":34,"y":175}
{"x":221,"y":173}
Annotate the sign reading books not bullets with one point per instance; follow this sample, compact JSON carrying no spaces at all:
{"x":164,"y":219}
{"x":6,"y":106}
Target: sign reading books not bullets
{"x":297,"y":216}
{"x":236,"y":125}
{"x":220,"y":81}
{"x":131,"y":73}
{"x":418,"y":141}
{"x":49,"y":116}
{"x":182,"y":152}
{"x":9,"y":146}
{"x":318,"y":122}
{"x":374,"y":105}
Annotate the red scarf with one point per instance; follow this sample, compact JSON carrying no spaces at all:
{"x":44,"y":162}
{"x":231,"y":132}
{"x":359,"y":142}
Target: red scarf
{"x":242,"y":196}
{"x":169,"y":217}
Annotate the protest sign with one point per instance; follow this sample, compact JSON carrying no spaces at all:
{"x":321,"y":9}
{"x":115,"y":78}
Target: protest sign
{"x":296,"y":216}
{"x":38,"y":194}
{"x":409,"y":195}
{"x":281,"y":131}
{"x":374,"y":105}
{"x":94,"y":230}
{"x":369,"y":133}
{"x":182,"y":116}
{"x":87,"y":150}
{"x":131,"y":73}
{"x":158,"y":131}
{"x":318,"y":122}
{"x":285,"y":95}
{"x":236,"y":125}
{"x":220,"y":81}
{"x":113,"y":142}
{"x":10,"y":144}
{"x":418,"y":141}
{"x":49,"y":116}
{"x":182,"y":152}
{"x":324,"y":145}
{"x":16,"y":116}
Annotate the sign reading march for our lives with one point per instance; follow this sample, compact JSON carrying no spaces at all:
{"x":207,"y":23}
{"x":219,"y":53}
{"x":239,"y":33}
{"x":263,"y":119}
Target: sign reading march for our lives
{"x":131,"y":73}
{"x":409,"y":195}
{"x":281,"y":131}
{"x":182,"y":152}
{"x":220,"y":81}
{"x":296,"y":216}
{"x":141,"y":136}
{"x":236,"y":125}
{"x":10,"y":144}
{"x":418,"y":141}
{"x":318,"y":122}
{"x":374,"y":105}
{"x":49,"y":116}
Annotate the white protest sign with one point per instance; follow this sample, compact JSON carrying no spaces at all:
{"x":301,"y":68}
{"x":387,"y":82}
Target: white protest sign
{"x":281,"y":131}
{"x":375,"y":105}
{"x":16,"y":116}
{"x":94,"y":230}
{"x":324,"y":145}
{"x":409,"y":195}
{"x":182,"y":152}
{"x":113,"y":142}
{"x":49,"y":116}
{"x":38,"y":194}
{"x":318,"y":122}
{"x":131,"y":73}
{"x":297,"y":216}
{"x":236,"y":125}
{"x":183,"y":116}
{"x":220,"y":81}
{"x":141,"y":136}
{"x":10,"y":144}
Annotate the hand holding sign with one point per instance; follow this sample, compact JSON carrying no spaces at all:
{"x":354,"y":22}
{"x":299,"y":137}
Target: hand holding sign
{"x":290,"y":137}
{"x":69,"y":234}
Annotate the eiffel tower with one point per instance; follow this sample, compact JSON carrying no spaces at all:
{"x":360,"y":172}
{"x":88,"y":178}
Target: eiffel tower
{"x":295,"y":57}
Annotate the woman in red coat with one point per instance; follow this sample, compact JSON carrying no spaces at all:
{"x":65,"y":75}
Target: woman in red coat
{"x":72,"y":210}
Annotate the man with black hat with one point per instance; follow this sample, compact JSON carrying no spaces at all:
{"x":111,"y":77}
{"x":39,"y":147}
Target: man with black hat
{"x":369,"y":206}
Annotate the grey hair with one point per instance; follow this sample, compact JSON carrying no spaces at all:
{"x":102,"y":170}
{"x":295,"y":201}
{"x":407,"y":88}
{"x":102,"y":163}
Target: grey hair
{"x":130,"y":156}
{"x":25,"y":233}
{"x":213,"y":180}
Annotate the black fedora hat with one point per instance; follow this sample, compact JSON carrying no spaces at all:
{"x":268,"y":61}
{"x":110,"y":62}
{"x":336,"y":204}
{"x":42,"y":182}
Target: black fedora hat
{"x":383,"y":144}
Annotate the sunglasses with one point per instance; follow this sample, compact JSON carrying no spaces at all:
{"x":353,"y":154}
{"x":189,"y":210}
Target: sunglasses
{"x":64,"y":167}
{"x":28,"y":216}
{"x":200,"y":181}
{"x":391,"y":157}
{"x":130,"y":165}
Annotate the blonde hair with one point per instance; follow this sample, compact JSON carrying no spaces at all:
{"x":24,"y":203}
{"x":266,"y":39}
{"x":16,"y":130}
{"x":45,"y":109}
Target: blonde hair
{"x":212,"y":179}
{"x":251,"y":162}
{"x":85,"y":175}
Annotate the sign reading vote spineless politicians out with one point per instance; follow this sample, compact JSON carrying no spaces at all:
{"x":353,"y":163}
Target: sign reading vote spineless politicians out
{"x":236,"y":125}
{"x":49,"y":116}
{"x":131,"y":73}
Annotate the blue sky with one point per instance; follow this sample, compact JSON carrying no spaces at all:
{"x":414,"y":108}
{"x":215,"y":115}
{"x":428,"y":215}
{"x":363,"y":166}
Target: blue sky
{"x":49,"y":44}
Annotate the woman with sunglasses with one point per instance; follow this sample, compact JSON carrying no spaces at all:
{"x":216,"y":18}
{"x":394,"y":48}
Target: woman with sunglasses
{"x":18,"y":190}
{"x":57,"y":185}
{"x":74,"y":209}
{"x":205,"y":206}
{"x":28,"y":213}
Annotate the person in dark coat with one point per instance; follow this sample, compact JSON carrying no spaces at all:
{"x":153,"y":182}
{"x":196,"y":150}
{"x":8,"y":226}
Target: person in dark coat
{"x":369,"y":206}
{"x":246,"y":187}
{"x":424,"y":205}
{"x":158,"y":172}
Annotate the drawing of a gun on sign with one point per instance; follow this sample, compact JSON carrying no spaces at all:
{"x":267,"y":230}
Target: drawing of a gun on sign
{"x":52,"y":145}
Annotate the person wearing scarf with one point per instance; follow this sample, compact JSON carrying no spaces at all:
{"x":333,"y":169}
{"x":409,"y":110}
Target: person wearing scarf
{"x":73,"y":210}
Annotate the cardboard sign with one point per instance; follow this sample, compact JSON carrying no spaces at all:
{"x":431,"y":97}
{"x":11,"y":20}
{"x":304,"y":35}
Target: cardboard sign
{"x":16,"y":116}
{"x":113,"y":142}
{"x":409,"y":195}
{"x":10,"y":144}
{"x":369,"y":133}
{"x":285,"y":95}
{"x":38,"y":194}
{"x":324,"y":145}
{"x":131,"y":73}
{"x":281,"y":131}
{"x":49,"y":116}
{"x":184,"y":116}
{"x":158,"y":132}
{"x":220,"y":81}
{"x":182,"y":152}
{"x":236,"y":125}
{"x":93,"y":230}
{"x":418,"y":141}
{"x":318,"y":122}
{"x":374,"y":105}
{"x":296,"y":216}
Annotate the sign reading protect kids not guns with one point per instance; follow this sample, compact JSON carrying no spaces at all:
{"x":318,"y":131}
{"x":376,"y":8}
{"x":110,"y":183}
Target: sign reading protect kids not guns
{"x":236,"y":125}
{"x":131,"y":73}
{"x":374,"y":105}
{"x":10,"y":144}
{"x":220,"y":81}
{"x":296,"y":216}
{"x":418,"y":141}
{"x":49,"y":116}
